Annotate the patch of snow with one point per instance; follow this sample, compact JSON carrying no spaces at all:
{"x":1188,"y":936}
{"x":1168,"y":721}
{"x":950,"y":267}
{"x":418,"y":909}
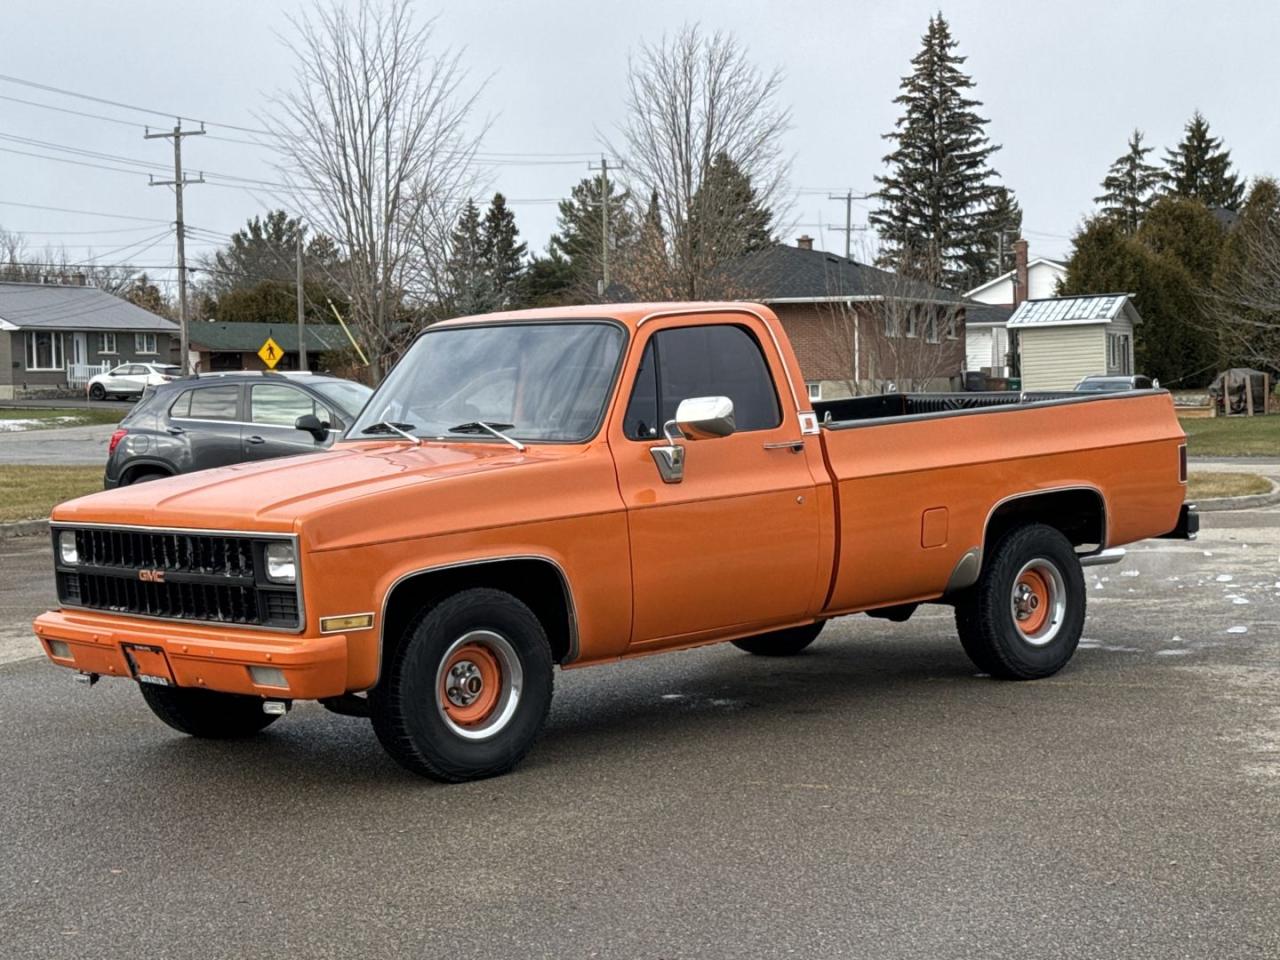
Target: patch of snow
{"x":1173,"y":653}
{"x":1237,"y":629}
{"x":1223,"y":578}
{"x":16,"y":426}
{"x":1129,"y":573}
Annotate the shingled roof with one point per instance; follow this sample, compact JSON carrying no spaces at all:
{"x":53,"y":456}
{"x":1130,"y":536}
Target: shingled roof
{"x":49,"y":306}
{"x":248,"y":337}
{"x":781,"y":273}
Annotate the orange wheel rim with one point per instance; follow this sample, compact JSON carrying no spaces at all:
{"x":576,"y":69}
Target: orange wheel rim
{"x":1035,"y":602}
{"x":470,"y":684}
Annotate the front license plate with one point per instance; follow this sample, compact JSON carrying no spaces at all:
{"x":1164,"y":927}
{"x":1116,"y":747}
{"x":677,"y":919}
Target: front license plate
{"x":149,"y":664}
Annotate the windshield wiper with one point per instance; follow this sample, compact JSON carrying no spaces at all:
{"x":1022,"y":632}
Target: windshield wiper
{"x":389,"y":426}
{"x":477,"y":426}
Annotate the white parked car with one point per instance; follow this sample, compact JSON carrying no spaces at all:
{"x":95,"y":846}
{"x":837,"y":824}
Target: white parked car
{"x":131,"y":379}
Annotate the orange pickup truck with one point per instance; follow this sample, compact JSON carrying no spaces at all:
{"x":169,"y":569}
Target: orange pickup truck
{"x":579,"y":485}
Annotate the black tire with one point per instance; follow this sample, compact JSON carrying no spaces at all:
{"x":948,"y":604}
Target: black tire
{"x":781,"y":643}
{"x":206,"y":714}
{"x":97,"y":392}
{"x":411,"y":710}
{"x":1026,"y":639}
{"x":145,"y":476}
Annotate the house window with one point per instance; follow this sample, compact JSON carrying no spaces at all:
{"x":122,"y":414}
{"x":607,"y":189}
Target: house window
{"x":890,"y":324}
{"x":144,"y":342}
{"x":44,"y":350}
{"x":106,"y":343}
{"x":912,"y":325}
{"x":815,"y":389}
{"x":951,"y":327}
{"x":931,"y":327}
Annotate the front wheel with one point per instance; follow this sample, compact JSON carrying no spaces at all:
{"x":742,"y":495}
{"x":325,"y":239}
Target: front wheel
{"x":97,"y":392}
{"x":781,"y":643}
{"x":1023,"y":618}
{"x":206,"y":714}
{"x":468,"y":689}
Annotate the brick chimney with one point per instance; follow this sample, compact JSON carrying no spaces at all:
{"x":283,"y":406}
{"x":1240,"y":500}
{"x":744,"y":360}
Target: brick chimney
{"x":804,"y":242}
{"x":1019,"y":271}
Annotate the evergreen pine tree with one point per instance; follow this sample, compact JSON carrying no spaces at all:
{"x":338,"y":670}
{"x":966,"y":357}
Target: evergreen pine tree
{"x":1129,"y":186}
{"x":994,"y":255}
{"x":729,"y":219}
{"x":935,"y":199}
{"x":468,"y":277}
{"x":502,"y":255}
{"x":580,"y":233}
{"x":1200,"y":169}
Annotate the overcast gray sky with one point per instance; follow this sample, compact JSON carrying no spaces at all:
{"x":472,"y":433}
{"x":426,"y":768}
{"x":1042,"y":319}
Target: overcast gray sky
{"x":1063,"y":85}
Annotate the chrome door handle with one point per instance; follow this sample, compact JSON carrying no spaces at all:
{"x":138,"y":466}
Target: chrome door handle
{"x":254,"y":439}
{"x":175,"y":431}
{"x":796,"y":445}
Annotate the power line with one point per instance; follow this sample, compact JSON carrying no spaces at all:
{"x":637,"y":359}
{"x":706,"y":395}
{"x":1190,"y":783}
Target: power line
{"x":85,"y":213}
{"x":179,"y":182}
{"x":129,"y":106}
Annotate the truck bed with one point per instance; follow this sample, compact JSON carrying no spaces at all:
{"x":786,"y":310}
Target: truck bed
{"x":918,"y":477}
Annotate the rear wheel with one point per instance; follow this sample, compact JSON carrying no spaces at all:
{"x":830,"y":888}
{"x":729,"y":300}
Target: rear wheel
{"x":1023,"y":618}
{"x":145,"y":476}
{"x":781,"y":643}
{"x":97,"y":392}
{"x":468,"y":689}
{"x":206,"y":714}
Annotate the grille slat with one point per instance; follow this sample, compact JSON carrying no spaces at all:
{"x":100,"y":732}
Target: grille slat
{"x":206,"y":577}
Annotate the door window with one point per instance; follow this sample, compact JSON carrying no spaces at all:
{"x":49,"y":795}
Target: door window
{"x":719,"y":360}
{"x":275,"y":405}
{"x":208,"y":403}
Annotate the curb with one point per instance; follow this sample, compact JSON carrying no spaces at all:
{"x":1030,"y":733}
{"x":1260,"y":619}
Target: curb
{"x":23,"y":528}
{"x":1210,"y":504}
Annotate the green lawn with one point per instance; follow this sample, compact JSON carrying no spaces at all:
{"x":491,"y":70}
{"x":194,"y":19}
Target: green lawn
{"x":1233,"y":436}
{"x":30,"y":492}
{"x":46,"y":419}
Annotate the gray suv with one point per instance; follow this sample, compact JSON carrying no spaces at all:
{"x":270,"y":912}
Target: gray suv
{"x":217,"y":419}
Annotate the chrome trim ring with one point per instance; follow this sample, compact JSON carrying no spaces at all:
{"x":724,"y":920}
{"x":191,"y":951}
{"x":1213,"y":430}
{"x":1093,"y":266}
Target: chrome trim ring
{"x":1038,"y":601}
{"x":459,"y":684}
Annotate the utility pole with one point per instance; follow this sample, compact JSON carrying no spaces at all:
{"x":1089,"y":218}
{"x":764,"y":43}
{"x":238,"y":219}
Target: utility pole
{"x":178,"y":182}
{"x":848,"y":197}
{"x":302,"y":342}
{"x":603,"y":284}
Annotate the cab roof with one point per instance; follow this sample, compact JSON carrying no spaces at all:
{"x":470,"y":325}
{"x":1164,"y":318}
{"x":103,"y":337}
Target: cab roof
{"x":630,"y":315}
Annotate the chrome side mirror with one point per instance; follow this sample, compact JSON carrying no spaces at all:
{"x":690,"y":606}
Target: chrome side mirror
{"x":698,"y":418}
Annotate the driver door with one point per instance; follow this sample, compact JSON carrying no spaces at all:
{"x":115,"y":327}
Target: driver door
{"x":734,"y":545}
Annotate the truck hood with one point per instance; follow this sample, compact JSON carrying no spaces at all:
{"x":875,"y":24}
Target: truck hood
{"x":278,"y":495}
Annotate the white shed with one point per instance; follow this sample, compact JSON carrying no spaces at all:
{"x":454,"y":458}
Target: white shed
{"x":1064,"y":339}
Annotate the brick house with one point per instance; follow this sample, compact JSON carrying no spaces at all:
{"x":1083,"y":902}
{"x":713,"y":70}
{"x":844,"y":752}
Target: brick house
{"x":54,"y":337}
{"x":857,"y":329}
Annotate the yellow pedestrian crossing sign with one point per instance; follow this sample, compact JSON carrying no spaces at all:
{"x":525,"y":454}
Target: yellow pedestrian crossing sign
{"x":270,"y":353}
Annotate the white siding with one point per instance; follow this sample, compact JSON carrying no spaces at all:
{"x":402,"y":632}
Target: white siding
{"x":986,"y":347}
{"x":1042,"y":283}
{"x":1056,"y":358}
{"x":1121,"y":327}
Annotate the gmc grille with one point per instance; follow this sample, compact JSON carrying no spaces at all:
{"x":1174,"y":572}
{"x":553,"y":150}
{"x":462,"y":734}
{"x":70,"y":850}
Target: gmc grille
{"x":175,"y":575}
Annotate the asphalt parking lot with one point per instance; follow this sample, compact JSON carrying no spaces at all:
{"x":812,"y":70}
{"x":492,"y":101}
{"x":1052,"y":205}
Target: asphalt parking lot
{"x":872,"y":798}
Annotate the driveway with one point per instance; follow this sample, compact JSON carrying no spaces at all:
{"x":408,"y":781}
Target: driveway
{"x":870,"y":798}
{"x":65,"y":445}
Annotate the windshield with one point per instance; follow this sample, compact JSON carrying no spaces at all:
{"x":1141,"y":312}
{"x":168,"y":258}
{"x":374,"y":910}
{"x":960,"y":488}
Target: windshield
{"x":347,"y":396}
{"x":532,"y":381}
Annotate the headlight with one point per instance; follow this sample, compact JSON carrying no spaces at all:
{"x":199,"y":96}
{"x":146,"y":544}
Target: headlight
{"x":67,"y":547}
{"x":281,"y":566}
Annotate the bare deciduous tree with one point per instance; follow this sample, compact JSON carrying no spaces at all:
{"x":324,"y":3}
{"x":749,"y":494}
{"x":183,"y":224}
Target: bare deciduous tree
{"x":704,"y":158}
{"x":19,"y":262}
{"x":377,"y":149}
{"x":1243,"y":306}
{"x":893,"y":333}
